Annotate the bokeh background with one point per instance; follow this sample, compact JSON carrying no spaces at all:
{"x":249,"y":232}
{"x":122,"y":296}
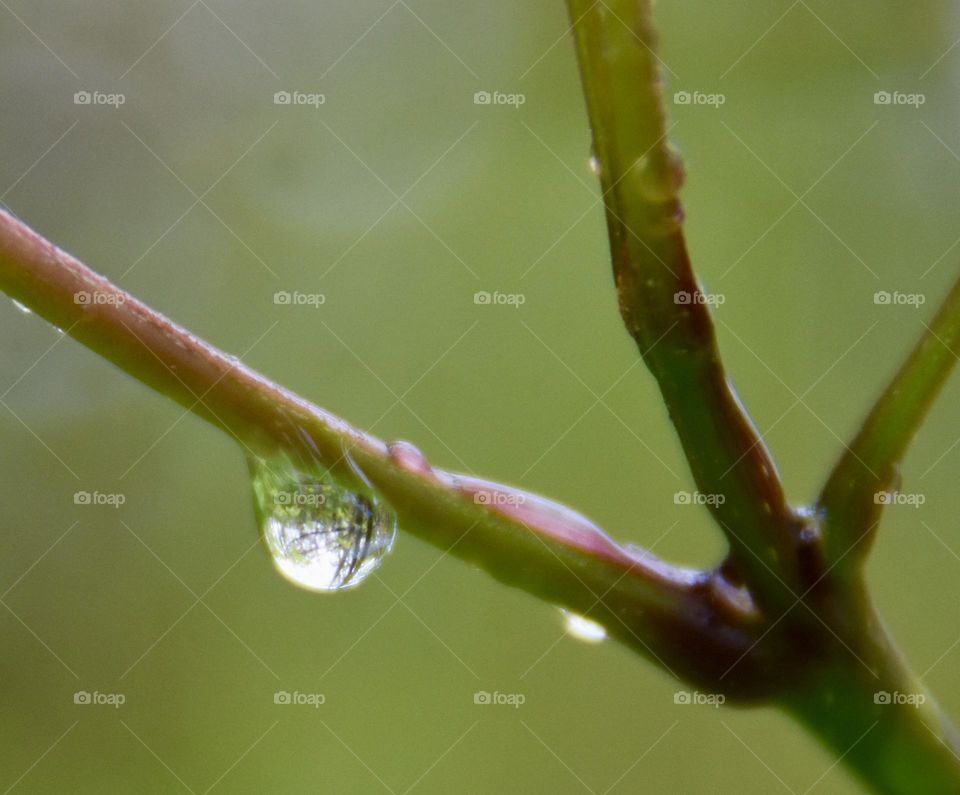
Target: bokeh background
{"x":397,"y":199}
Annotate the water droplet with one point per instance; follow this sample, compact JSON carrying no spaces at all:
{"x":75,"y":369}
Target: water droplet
{"x":409,"y":457}
{"x":321,"y":535}
{"x":582,"y":628}
{"x":23,"y":308}
{"x":594,"y":163}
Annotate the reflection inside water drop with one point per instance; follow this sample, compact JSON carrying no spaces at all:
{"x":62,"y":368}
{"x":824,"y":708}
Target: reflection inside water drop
{"x":321,"y":535}
{"x":582,"y":628}
{"x":22,"y":307}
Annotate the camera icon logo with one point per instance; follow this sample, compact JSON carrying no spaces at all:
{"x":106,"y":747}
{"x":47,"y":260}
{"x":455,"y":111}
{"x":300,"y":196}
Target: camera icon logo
{"x":82,"y":298}
{"x":81,"y":697}
{"x":882,"y":697}
{"x":282,"y":298}
{"x":681,"y":697}
{"x":881,"y":297}
{"x":683,"y":297}
{"x":282,"y":98}
{"x":481,"y":697}
{"x":882,"y":98}
{"x":482,"y":297}
{"x":81,"y":498}
{"x":482,"y":98}
{"x":281,"y":697}
{"x":682,"y":98}
{"x":82,"y":98}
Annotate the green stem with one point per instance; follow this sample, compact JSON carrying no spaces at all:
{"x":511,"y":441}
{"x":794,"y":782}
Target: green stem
{"x":660,"y":299}
{"x":873,"y":713}
{"x":784,"y":558}
{"x":870,"y":465}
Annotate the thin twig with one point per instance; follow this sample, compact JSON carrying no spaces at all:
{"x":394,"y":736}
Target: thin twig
{"x":867,"y":472}
{"x":519,"y":538}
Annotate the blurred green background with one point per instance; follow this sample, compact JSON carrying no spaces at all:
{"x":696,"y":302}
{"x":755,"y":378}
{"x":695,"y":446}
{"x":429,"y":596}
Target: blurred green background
{"x":304,"y":198}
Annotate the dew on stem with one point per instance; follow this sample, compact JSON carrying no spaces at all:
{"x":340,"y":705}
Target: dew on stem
{"x":582,"y":628}
{"x":322,"y":535}
{"x":594,"y":163}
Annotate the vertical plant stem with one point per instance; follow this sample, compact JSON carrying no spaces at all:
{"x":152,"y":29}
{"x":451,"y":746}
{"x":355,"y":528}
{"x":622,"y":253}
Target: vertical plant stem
{"x":659,"y":296}
{"x":781,"y":556}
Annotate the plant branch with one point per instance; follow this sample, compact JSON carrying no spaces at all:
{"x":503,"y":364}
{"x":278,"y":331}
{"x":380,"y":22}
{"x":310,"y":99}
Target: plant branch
{"x":849,"y":502}
{"x":660,"y":300}
{"x":524,"y":540}
{"x":872,"y":711}
{"x":832,"y":654}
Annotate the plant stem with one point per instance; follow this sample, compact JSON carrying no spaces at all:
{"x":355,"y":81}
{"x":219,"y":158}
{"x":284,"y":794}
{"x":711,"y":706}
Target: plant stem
{"x":783,"y":558}
{"x":521,"y":539}
{"x":660,"y":299}
{"x":870,"y":464}
{"x":884,"y":725}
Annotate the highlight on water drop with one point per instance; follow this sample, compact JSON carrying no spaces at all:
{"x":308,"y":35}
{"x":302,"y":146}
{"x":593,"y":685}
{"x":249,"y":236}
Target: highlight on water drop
{"x":322,"y":535}
{"x":582,"y":628}
{"x":594,"y":163}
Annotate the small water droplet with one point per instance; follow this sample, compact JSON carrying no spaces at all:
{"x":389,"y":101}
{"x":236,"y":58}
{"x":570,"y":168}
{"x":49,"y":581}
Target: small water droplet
{"x":582,"y":628}
{"x":409,"y":457}
{"x":594,"y":163}
{"x":321,"y":535}
{"x":23,"y":308}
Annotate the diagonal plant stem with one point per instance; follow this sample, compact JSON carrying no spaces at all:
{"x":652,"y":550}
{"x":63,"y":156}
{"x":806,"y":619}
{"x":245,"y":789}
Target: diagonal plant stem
{"x":521,"y":539}
{"x":850,"y":502}
{"x":660,"y":299}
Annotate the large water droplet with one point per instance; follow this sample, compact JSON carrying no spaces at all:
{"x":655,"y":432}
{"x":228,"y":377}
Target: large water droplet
{"x":321,"y":535}
{"x":582,"y":628}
